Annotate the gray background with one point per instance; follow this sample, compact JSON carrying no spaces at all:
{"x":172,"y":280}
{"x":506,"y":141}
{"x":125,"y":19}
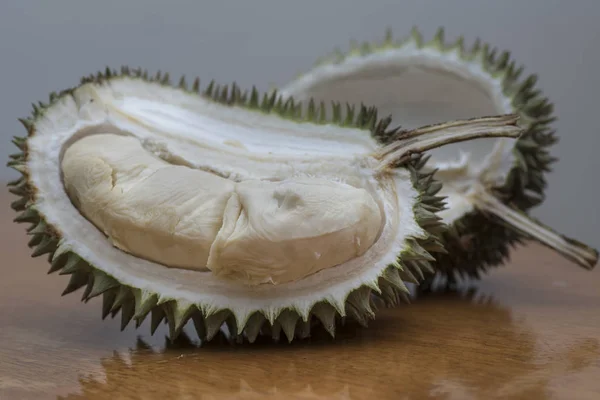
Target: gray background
{"x":47,"y":45}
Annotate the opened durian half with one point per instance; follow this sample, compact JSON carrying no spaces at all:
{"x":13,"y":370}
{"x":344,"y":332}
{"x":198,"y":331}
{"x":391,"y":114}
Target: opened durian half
{"x":490,"y":185}
{"x":225,"y":207}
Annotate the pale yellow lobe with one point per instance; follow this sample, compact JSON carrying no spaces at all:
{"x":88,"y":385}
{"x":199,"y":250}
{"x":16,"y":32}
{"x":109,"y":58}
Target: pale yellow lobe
{"x":162,"y":212}
{"x":252,"y":231}
{"x":277,"y":231}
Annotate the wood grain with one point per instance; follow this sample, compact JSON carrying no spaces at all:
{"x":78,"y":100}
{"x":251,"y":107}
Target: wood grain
{"x":529,"y":330}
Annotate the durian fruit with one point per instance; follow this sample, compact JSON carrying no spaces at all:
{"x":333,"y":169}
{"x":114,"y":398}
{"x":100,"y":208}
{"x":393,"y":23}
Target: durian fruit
{"x":491,"y":185}
{"x":228,"y":208}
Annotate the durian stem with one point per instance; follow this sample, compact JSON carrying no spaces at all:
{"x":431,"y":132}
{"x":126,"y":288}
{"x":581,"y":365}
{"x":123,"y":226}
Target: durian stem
{"x":438,"y":135}
{"x":571,"y":249}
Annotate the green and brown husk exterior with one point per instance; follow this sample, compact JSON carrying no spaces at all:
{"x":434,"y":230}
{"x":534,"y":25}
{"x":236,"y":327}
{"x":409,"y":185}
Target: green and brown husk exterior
{"x":413,"y":265}
{"x":479,"y":241}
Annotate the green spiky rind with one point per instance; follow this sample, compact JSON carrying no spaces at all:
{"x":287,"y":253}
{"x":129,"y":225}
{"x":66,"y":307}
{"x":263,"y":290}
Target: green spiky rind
{"x":477,"y":242}
{"x":343,"y":115}
{"x":136,"y":305}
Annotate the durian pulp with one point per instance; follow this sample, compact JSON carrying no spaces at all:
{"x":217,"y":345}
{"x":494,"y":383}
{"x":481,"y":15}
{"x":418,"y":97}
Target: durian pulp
{"x":183,"y":129}
{"x":416,"y":87}
{"x":254,"y":231}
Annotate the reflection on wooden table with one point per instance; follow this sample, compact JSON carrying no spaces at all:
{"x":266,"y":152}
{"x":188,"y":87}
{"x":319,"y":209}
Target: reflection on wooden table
{"x":529,"y":330}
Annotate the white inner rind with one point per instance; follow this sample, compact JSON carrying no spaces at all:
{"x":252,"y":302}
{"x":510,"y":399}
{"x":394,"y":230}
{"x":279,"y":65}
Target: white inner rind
{"x":94,"y":108}
{"x":259,"y":146}
{"x":419,"y":86}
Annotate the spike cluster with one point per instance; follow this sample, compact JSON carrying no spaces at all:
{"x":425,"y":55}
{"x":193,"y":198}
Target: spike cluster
{"x":270,"y":103}
{"x":525,"y":185}
{"x":136,"y":305}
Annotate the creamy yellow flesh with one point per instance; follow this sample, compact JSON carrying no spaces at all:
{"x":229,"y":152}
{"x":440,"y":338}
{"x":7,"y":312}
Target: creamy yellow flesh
{"x":251,"y":231}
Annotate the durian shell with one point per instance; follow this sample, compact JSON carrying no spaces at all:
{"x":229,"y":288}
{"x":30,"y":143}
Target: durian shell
{"x":477,"y":241}
{"x":137,"y":305}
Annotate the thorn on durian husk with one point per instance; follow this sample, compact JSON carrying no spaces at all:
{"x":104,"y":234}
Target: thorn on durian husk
{"x":288,"y":319}
{"x":213,"y":323}
{"x":108,"y":299}
{"x":196,"y":85}
{"x":416,"y":37}
{"x":252,"y":329}
{"x":144,"y":303}
{"x":438,"y":38}
{"x":127,"y":312}
{"x":77,"y":280}
{"x":326,"y":315}
{"x":156,"y":317}
{"x":101,"y":283}
{"x":177,"y":316}
{"x":389,"y":37}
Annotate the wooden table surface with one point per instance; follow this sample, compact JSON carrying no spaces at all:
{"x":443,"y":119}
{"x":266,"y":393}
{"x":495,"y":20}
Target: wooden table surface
{"x":529,"y":330}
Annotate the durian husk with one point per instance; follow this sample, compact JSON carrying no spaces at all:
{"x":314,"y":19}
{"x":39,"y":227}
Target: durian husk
{"x":135,"y":304}
{"x":480,"y":240}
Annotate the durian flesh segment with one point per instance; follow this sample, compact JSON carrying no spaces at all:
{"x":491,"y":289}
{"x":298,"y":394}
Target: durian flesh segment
{"x":75,"y":115}
{"x":283,"y":231}
{"x":251,"y":231}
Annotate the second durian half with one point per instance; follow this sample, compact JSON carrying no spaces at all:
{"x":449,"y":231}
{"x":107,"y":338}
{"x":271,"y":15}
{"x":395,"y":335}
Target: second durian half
{"x":489,"y":185}
{"x":226,"y":207}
